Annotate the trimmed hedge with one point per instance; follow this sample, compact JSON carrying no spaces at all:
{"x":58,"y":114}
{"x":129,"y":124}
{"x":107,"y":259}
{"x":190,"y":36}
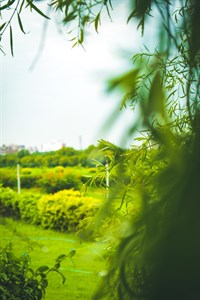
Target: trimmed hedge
{"x":66,"y":210}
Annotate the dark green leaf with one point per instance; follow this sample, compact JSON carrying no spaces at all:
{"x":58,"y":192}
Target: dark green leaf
{"x":21,"y":6}
{"x":132,"y":15}
{"x":61,"y":257}
{"x":44,"y":283}
{"x":8,"y":4}
{"x":37,"y":9}
{"x":2,"y":26}
{"x":42,"y":269}
{"x":11,"y":41}
{"x":20,"y":23}
{"x":69,"y":17}
{"x":57,"y":265}
{"x":72,"y":253}
{"x":31,"y":271}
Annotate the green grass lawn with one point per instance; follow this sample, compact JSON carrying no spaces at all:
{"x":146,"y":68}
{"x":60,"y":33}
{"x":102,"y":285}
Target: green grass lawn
{"x":81,"y":272}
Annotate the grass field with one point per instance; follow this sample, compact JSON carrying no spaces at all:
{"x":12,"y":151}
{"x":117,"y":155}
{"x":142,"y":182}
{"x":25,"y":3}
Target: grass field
{"x":81,"y":272}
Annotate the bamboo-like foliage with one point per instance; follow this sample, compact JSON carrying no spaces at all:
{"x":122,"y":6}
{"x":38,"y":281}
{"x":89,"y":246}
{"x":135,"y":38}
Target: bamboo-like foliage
{"x":158,"y":255}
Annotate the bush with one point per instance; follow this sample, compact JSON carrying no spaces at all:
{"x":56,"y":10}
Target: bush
{"x":9,"y":203}
{"x":57,"y":180}
{"x":28,"y":180}
{"x":9,"y":177}
{"x":28,"y":208}
{"x":17,"y":206}
{"x":66,"y":210}
{"x":18,"y":281}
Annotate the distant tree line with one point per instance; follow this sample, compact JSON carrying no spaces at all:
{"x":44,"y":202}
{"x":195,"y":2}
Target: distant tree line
{"x":67,"y":156}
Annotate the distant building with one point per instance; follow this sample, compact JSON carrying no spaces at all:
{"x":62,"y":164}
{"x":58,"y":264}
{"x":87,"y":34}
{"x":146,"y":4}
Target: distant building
{"x":12,"y":148}
{"x":53,"y":146}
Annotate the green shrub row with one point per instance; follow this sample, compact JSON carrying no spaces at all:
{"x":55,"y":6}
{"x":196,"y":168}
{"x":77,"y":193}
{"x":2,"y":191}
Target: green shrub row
{"x":49,"y":180}
{"x":65,"y":157}
{"x":66,"y":210}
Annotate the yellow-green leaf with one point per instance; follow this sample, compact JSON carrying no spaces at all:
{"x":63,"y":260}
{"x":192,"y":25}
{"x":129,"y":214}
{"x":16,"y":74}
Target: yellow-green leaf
{"x":156,"y":96}
{"x":96,"y":22}
{"x":81,"y":37}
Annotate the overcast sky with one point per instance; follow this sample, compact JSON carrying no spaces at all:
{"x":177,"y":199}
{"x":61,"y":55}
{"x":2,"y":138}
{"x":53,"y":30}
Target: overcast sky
{"x":63,"y":98}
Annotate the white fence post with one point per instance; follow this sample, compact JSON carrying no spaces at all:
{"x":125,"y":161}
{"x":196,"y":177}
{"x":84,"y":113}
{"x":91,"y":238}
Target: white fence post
{"x":18,"y":179}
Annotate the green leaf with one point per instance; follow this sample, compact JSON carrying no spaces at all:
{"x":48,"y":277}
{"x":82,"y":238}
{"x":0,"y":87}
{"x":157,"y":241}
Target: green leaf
{"x":57,"y":265}
{"x":8,"y":4}
{"x":81,"y":36}
{"x":72,"y":253}
{"x":21,"y":6}
{"x":61,"y":257}
{"x":69,"y":17}
{"x":126,"y":81}
{"x":31,"y":271}
{"x":132,"y":15}
{"x":11,"y":41}
{"x":4,"y":276}
{"x":74,"y":44}
{"x":96,"y":22}
{"x":37,"y":9}
{"x":42,"y":269}
{"x":156,"y":96}
{"x":2,"y":26}
{"x":20,"y":23}
{"x":44,"y":283}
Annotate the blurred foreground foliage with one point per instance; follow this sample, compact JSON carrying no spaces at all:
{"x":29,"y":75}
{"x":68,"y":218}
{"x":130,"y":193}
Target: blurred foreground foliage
{"x":158,"y":255}
{"x":18,"y":280}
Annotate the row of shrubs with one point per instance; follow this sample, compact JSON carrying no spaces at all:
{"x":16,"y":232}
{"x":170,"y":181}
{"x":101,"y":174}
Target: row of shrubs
{"x":66,"y":210}
{"x":49,"y":180}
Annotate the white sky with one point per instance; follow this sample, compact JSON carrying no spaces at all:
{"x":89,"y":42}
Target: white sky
{"x":64,"y":96}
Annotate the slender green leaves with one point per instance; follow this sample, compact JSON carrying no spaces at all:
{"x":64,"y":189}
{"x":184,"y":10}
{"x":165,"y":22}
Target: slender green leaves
{"x":81,"y":37}
{"x":7,"y":5}
{"x":96,"y":22}
{"x":156,"y":96}
{"x":11,"y":41}
{"x":37,"y":9}
{"x":2,"y":26}
{"x":20,"y":23}
{"x":21,"y":6}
